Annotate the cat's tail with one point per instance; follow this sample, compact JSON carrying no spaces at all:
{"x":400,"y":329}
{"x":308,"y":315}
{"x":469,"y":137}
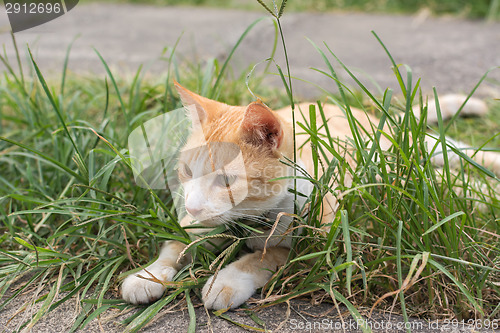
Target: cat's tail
{"x":481,"y":191}
{"x":488,"y":159}
{"x":450,"y":104}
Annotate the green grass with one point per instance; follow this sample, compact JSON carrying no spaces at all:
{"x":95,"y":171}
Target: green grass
{"x":72,"y":219}
{"x":464,"y":8}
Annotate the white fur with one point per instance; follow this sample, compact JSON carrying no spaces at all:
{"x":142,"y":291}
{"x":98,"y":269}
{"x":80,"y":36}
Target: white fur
{"x":438,"y":157}
{"x":195,"y":198}
{"x":286,"y":205}
{"x":140,"y":290}
{"x":490,"y":160}
{"x":137,"y":290}
{"x":449,"y":105}
{"x":231,"y":288}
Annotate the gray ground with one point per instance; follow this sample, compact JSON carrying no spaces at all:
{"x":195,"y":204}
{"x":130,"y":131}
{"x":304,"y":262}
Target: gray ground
{"x":447,"y":53}
{"x":300,"y":317}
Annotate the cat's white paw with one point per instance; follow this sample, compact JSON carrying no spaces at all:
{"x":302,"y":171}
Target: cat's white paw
{"x":137,"y":290}
{"x":230,"y":289}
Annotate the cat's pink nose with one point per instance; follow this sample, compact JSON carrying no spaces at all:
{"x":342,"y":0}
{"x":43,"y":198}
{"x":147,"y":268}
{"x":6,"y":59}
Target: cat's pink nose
{"x":193,"y":211}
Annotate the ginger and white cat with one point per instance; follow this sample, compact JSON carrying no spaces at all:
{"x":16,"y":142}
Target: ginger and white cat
{"x":206,"y":168}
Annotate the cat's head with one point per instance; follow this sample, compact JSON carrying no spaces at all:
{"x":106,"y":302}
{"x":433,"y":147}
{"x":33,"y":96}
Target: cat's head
{"x":230,"y":158}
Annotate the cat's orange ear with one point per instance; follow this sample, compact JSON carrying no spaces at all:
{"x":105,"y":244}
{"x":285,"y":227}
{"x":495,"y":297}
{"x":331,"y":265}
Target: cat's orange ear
{"x":196,"y":105}
{"x":260,"y":126}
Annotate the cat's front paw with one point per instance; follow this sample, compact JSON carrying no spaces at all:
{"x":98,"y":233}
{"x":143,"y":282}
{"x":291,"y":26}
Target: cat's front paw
{"x":230,"y":289}
{"x":137,"y":290}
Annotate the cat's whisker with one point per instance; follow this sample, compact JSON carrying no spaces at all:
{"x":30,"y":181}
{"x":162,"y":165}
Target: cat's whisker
{"x":279,"y":228}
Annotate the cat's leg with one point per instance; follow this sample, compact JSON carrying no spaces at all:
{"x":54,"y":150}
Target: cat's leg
{"x":235,"y":283}
{"x":137,"y":289}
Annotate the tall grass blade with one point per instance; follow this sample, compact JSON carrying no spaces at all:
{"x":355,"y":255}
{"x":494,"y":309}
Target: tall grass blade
{"x":18,"y":58}
{"x":49,"y":159}
{"x":443,"y":221}
{"x":148,"y":313}
{"x":400,"y":271}
{"x":460,"y":286}
{"x":352,"y":310}
{"x":348,"y":248}
{"x":266,"y":7}
{"x":79,"y":158}
{"x":222,"y":72}
{"x":65,"y":65}
{"x":282,"y":8}
{"x":192,"y":314}
{"x":117,"y":90}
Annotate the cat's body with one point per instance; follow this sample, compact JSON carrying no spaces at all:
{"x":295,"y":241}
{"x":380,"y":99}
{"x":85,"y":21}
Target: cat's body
{"x":213,"y":182}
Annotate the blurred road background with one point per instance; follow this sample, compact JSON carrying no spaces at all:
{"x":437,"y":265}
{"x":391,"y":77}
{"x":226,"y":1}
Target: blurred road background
{"x":447,"y":52}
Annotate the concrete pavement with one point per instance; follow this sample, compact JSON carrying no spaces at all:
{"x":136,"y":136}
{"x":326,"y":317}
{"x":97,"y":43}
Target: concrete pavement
{"x":448,"y":53}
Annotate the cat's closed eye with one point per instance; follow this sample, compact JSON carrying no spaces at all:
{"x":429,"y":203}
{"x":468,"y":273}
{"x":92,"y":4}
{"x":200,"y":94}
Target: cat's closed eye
{"x":184,"y":171}
{"x":224,"y":180}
